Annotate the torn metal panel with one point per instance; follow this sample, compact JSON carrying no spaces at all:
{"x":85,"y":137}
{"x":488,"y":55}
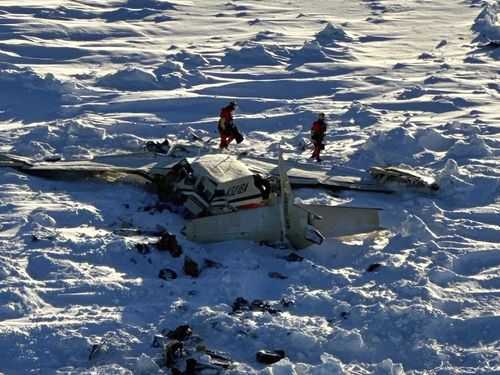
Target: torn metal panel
{"x":303,"y":176}
{"x":260,"y":224}
{"x":405,"y":175}
{"x":338,"y":221}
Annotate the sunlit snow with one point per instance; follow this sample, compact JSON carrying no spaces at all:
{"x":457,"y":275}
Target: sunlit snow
{"x":402,"y":82}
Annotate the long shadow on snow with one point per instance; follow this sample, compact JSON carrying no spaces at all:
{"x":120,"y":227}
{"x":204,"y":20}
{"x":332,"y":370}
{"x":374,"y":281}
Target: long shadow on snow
{"x":28,"y":106}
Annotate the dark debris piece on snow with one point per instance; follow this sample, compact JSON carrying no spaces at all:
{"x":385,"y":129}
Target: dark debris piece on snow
{"x":277,"y":275}
{"x":181,"y":349}
{"x":96,"y":349}
{"x":344,"y":314}
{"x":241,"y":305}
{"x":218,"y":359}
{"x":373,"y":267}
{"x":191,"y":267}
{"x":168,"y":242}
{"x":207,"y":263}
{"x":172,"y":351}
{"x":158,"y":341}
{"x":142,"y":248}
{"x":181,"y":333}
{"x":258,"y":305}
{"x":292,"y":257}
{"x":270,"y":356}
{"x":287,"y":302}
{"x":167,"y":274}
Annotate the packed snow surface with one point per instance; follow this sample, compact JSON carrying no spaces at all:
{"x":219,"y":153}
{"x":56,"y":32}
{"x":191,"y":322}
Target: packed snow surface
{"x":402,"y":82}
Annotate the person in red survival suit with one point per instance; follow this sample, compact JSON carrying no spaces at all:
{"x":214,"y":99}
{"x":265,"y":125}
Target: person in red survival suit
{"x":318,"y":131}
{"x":227,"y":130}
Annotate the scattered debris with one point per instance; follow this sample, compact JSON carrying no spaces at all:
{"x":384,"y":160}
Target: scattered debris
{"x":191,"y":267}
{"x":137,"y":232}
{"x":168,"y":242}
{"x":292,"y":257}
{"x":142,"y":248}
{"x":270,"y":356}
{"x":158,"y":341}
{"x":180,"y":348}
{"x":167,"y":274}
{"x":207,"y":263}
{"x":181,"y":333}
{"x":285,"y":302}
{"x":404,"y":175}
{"x":277,"y":275}
{"x":373,"y":267}
{"x":172,"y":351}
{"x":241,"y":305}
{"x":218,"y":359}
{"x":97,"y":349}
{"x":161,"y":148}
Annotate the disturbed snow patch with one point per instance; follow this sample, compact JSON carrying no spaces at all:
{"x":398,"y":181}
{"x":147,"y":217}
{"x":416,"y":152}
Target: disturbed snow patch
{"x":27,"y":79}
{"x":332,"y":34}
{"x":130,"y":78}
{"x":395,"y":146}
{"x":250,"y":54}
{"x":321,"y":49}
{"x":71,"y":140}
{"x":486,"y":24}
{"x":360,"y":115}
{"x":169,"y":75}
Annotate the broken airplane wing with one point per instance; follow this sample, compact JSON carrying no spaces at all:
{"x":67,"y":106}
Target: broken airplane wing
{"x":303,"y":176}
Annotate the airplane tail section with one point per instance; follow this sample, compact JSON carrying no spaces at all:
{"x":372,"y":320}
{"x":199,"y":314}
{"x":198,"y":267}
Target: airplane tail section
{"x":296,"y":222}
{"x":339,"y":221}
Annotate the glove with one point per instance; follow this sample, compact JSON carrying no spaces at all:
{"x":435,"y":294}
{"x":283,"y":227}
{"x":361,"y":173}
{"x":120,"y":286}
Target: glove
{"x":222,"y":124}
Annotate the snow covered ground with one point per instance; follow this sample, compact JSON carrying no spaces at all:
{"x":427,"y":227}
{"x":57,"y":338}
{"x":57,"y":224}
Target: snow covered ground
{"x":401,"y":81}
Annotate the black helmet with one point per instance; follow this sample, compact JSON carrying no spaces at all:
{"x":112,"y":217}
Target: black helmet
{"x":321,"y":116}
{"x":233,"y":104}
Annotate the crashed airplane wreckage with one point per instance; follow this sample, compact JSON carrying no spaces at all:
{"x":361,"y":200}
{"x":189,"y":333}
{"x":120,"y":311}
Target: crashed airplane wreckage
{"x":276,"y":218}
{"x":230,"y":198}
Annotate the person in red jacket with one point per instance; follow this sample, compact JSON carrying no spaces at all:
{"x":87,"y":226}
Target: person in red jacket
{"x":318,"y":131}
{"x":226,"y":125}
